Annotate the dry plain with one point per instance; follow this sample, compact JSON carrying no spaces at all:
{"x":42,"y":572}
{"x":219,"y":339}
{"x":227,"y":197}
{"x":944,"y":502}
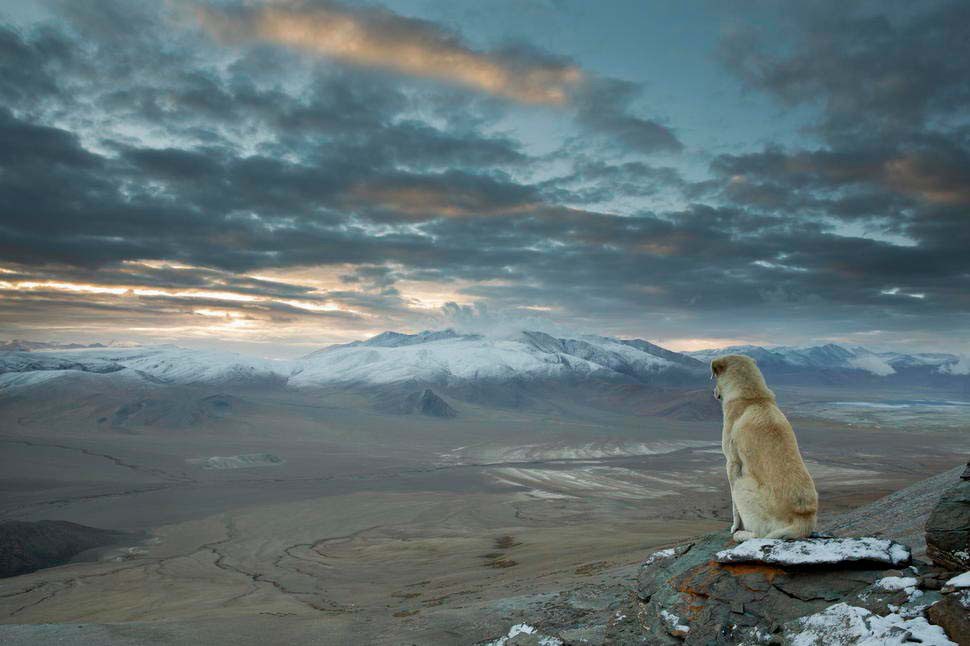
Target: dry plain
{"x":341,"y":524}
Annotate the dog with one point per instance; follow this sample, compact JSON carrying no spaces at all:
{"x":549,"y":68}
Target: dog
{"x":772,"y":493}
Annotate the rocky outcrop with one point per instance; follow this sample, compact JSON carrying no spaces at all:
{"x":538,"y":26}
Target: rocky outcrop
{"x":29,"y":546}
{"x":428,"y":403}
{"x":812,"y":591}
{"x":953,"y":612}
{"x":948,"y":527}
{"x":824,"y":591}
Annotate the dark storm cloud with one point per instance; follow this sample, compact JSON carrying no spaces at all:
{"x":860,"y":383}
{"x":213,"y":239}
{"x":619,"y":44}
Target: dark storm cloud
{"x":872,"y":68}
{"x":594,"y":181}
{"x":604,"y":107}
{"x":890,"y":90}
{"x":264,"y":160}
{"x":28,"y":67}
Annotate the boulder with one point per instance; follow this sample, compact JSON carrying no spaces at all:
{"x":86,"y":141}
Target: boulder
{"x":770,"y":591}
{"x":948,"y":527}
{"x":953,"y":612}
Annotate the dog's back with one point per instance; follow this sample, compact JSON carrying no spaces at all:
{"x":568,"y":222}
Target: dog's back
{"x":768,"y":448}
{"x":772,"y":490}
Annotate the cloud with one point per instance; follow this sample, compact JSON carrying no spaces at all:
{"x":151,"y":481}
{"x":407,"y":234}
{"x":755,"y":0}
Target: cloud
{"x":961,"y":367}
{"x":873,"y":69}
{"x":450,"y":194}
{"x":164,"y":172}
{"x":375,"y":37}
{"x":848,"y":182}
{"x":593,"y":181}
{"x":872,"y":363}
{"x":603,"y":105}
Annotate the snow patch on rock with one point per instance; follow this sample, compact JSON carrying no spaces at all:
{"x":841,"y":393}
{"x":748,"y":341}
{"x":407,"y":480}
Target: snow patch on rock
{"x":897,"y":583}
{"x":674,"y":625}
{"x":851,"y":625}
{"x":659,"y":555}
{"x":816,"y":551}
{"x":960,"y":581}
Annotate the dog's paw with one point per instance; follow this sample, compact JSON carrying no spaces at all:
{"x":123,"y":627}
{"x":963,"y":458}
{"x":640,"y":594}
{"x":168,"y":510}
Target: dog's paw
{"x":741,"y":536}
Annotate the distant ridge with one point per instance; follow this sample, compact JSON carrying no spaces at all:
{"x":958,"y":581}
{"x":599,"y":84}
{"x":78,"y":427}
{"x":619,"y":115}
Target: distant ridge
{"x":450,"y":358}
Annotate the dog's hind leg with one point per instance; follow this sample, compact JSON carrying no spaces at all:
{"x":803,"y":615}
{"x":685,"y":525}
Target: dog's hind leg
{"x":795,"y":530}
{"x":742,"y":535}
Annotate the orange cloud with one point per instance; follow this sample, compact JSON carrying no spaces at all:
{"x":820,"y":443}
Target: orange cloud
{"x":928,"y":178}
{"x":381,"y":39}
{"x":426,"y":201}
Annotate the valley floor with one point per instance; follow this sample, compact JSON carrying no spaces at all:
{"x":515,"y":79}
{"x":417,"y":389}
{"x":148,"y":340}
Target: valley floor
{"x":363,"y":528}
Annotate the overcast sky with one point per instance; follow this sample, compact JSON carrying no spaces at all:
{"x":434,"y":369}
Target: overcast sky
{"x":276,"y":176}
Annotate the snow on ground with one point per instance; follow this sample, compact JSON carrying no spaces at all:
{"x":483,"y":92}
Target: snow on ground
{"x":595,"y":480}
{"x":816,"y":551}
{"x":960,"y":581}
{"x":526,"y":629}
{"x":238,"y":461}
{"x":588,"y":451}
{"x":896,"y":583}
{"x":842,"y":624}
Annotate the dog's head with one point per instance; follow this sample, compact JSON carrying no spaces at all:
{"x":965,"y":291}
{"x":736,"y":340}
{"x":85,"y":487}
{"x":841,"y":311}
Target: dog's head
{"x":737,"y":376}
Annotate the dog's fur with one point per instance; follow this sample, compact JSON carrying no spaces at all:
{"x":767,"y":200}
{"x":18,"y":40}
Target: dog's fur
{"x":772,"y":493}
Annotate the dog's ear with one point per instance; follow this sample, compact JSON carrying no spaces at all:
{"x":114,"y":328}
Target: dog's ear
{"x":717,"y":367}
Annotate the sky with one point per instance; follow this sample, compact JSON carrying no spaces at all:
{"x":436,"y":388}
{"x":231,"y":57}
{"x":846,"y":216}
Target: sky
{"x":276,"y":176}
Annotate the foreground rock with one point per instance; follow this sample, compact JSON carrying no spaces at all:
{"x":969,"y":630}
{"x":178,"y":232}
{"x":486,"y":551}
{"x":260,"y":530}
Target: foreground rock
{"x":948,"y":527}
{"x":29,"y":546}
{"x":812,"y":591}
{"x":953,"y":612}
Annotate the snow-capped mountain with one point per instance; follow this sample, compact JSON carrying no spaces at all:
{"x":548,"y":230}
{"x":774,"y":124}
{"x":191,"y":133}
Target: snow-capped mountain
{"x":164,"y":364}
{"x":447,"y":357}
{"x":833,"y":356}
{"x":450,"y":358}
{"x":442,"y":357}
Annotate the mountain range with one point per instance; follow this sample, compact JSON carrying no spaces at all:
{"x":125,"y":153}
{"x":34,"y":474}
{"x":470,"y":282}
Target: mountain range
{"x":450,"y":358}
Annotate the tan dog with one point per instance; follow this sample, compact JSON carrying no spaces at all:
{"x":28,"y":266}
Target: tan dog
{"x":772,"y":493}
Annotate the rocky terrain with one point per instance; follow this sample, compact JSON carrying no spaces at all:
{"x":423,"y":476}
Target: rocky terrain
{"x":817,"y":591}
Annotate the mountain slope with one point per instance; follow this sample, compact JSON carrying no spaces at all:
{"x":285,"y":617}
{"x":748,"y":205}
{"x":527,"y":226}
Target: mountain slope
{"x":165,"y":364}
{"x":833,"y":356}
{"x":449,"y":358}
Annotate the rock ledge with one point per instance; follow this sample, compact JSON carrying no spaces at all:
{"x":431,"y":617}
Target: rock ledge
{"x":817,"y":552}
